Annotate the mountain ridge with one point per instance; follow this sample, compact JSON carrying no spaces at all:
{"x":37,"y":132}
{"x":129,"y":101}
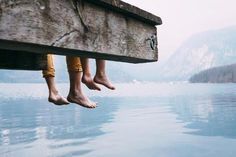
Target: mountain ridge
{"x":200,"y":52}
{"x":221,"y":74}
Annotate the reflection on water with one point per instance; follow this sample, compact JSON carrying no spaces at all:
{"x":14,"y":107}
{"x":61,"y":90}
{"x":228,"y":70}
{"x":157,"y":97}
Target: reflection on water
{"x":35,"y":122}
{"x":179,"y":120}
{"x":213,"y":115}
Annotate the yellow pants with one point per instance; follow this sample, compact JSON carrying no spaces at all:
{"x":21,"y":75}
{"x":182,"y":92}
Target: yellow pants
{"x":73,"y":64}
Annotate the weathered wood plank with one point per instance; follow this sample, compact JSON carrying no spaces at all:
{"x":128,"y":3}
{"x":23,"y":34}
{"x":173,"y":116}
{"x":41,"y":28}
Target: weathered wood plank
{"x":129,"y":10}
{"x":18,"y":60}
{"x":119,"y":32}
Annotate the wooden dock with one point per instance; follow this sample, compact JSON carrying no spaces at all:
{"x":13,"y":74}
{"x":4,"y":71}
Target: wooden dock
{"x":103,"y":29}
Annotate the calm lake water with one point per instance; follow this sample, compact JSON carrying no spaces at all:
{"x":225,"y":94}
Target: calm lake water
{"x":137,"y":120}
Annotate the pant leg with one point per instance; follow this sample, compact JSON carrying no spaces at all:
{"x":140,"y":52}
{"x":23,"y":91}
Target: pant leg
{"x":74,"y":64}
{"x":50,"y":72}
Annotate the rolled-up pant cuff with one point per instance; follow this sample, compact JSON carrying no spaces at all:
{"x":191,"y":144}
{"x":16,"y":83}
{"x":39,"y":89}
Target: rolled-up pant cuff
{"x":73,"y":65}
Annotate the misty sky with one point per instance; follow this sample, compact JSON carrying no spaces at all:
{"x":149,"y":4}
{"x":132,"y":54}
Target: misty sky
{"x":182,"y":18}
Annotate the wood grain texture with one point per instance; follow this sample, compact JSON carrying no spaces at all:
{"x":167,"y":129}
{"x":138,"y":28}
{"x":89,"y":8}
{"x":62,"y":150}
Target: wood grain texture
{"x":54,"y":26}
{"x":129,"y":10}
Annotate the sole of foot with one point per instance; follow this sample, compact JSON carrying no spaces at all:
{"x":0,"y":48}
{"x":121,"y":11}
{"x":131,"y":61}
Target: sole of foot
{"x":86,"y":104}
{"x":105,"y":83}
{"x":59,"y":102}
{"x":91,"y":84}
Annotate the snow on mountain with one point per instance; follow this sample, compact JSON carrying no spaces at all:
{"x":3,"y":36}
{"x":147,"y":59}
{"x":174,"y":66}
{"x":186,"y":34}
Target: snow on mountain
{"x":200,"y":52}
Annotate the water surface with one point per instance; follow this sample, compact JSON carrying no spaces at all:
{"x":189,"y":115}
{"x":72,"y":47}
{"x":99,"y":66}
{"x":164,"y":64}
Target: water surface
{"x":137,"y":120}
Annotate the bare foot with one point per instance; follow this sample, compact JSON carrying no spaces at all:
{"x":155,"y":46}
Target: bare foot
{"x":57,"y":99}
{"x":88,"y":81}
{"x":81,"y":100}
{"x":103,"y":80}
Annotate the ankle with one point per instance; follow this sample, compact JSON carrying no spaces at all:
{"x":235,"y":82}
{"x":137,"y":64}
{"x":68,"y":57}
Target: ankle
{"x":86,"y":78}
{"x":100,"y":74}
{"x":87,"y":74}
{"x":53,"y":92}
{"x":74,"y":93}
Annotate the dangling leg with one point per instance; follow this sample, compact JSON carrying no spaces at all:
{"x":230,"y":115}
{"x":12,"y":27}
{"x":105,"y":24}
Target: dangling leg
{"x":101,"y":77}
{"x":75,"y":73}
{"x":87,"y":78}
{"x":49,"y":75}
